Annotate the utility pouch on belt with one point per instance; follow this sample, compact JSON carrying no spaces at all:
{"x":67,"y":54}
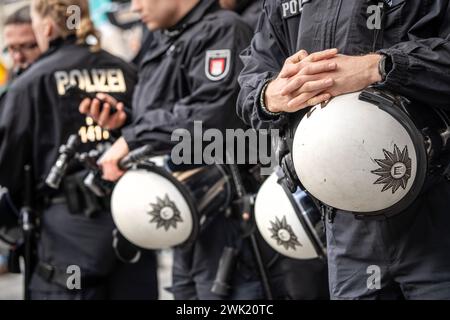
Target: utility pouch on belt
{"x":80,"y":199}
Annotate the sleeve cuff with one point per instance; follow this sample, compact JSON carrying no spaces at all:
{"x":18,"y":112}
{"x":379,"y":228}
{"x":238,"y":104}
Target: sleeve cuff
{"x":275,"y":119}
{"x":398,"y":76}
{"x":130,"y":137}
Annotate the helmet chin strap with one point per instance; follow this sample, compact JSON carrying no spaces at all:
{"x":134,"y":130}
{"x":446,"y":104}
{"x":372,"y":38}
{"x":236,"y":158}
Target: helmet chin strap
{"x":134,"y":259}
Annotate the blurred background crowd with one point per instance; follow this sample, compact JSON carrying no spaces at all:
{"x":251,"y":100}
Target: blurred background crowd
{"x":112,"y":18}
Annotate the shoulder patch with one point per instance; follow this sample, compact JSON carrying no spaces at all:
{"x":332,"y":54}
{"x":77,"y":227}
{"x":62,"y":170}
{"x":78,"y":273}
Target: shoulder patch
{"x":217,"y":64}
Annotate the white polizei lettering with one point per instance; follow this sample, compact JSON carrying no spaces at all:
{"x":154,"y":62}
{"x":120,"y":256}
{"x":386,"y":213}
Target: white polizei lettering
{"x":90,"y":86}
{"x":116,"y":80}
{"x":62,"y":80}
{"x":293,"y":6}
{"x":285,"y":9}
{"x":106,"y":84}
{"x":76,"y":77}
{"x":99,"y":78}
{"x":96,"y":80}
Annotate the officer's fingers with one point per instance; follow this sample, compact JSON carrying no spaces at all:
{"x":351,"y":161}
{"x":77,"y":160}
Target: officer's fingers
{"x":291,"y":66}
{"x":120,"y":107}
{"x":107,"y":98}
{"x":313,"y":101}
{"x":306,"y":85}
{"x":318,"y":67}
{"x":303,"y":54}
{"x":289,"y":70}
{"x":121,"y":114}
{"x":85,"y":106}
{"x":317,"y":85}
{"x":111,"y":172}
{"x":322,"y":55}
{"x":301,"y":101}
{"x":95,"y":109}
{"x":121,"y":119}
{"x":104,"y":115}
{"x":294,"y":84}
{"x":319,"y":99}
{"x":297,"y":57}
{"x":107,"y":164}
{"x":116,"y":121}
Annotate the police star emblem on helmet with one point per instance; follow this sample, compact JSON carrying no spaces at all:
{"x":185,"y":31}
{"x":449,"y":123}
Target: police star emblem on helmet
{"x":395,"y":169}
{"x":284,"y":235}
{"x":165,"y":213}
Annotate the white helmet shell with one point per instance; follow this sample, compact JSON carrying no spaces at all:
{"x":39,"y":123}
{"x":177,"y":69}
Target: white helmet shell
{"x":355,"y":156}
{"x":278,"y":222}
{"x":151,"y":211}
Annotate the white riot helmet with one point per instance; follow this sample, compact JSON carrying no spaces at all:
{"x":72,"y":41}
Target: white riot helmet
{"x":290,"y":223}
{"x":153,"y":210}
{"x":361,"y":153}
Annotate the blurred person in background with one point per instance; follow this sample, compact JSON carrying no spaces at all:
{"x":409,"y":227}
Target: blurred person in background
{"x":188,"y":74}
{"x":37,"y":116}
{"x":22,"y":50}
{"x":20,"y":41}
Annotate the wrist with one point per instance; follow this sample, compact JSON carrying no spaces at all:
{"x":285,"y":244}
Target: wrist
{"x":268,"y":99}
{"x":374,"y":74}
{"x":265,"y":101}
{"x":122,"y":148}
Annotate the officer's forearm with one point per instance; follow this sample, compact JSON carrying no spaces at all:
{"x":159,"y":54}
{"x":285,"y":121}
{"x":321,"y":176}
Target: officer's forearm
{"x":274,"y":101}
{"x":373,"y":70}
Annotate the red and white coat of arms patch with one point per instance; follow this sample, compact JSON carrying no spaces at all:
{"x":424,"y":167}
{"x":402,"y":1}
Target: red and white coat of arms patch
{"x":217,"y":64}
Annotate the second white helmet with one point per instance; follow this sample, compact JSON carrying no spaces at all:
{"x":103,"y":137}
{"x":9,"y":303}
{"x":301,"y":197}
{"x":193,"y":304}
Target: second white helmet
{"x":152,"y":210}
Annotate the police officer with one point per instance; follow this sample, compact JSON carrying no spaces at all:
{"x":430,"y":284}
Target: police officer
{"x":291,"y":279}
{"x":397,"y":45}
{"x":189,"y":74}
{"x":38,"y":115}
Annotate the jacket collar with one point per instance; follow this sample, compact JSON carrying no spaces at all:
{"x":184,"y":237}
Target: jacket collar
{"x":164,"y":39}
{"x":56,"y":44}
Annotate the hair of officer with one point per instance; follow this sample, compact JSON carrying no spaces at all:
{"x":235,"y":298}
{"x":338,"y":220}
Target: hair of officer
{"x":20,"y":16}
{"x":58,"y":11}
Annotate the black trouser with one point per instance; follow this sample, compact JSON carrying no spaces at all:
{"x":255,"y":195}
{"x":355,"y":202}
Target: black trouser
{"x":195,"y":265}
{"x":304,"y":279}
{"x":410,"y":252}
{"x":76,"y":240}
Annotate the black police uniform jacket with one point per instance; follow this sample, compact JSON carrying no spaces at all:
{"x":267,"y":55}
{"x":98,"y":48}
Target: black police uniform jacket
{"x":37,"y":116}
{"x":189,"y":74}
{"x":415,"y":34}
